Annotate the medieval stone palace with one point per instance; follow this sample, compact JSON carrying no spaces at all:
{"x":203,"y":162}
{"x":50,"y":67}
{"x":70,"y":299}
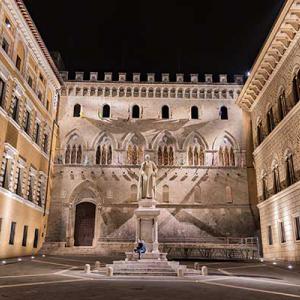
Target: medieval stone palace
{"x":71,"y":148}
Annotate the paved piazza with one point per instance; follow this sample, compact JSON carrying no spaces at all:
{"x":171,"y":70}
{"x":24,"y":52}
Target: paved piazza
{"x":60,"y":277}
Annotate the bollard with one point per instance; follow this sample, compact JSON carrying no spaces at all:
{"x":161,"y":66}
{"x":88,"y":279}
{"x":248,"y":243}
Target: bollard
{"x":97,"y":265}
{"x":110,"y":272}
{"x":196,"y":266}
{"x":87,"y":268}
{"x":204,"y":271}
{"x":180,"y":272}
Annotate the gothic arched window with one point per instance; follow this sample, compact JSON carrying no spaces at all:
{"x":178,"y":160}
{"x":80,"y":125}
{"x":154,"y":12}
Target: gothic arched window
{"x":73,"y":155}
{"x":296,"y":88}
{"x":98,"y":155}
{"x":276,"y":180}
{"x":79,"y":155}
{"x":194,"y":113}
{"x":67,"y":155}
{"x":165,"y":114}
{"x":106,"y":111}
{"x":76,"y":110}
{"x":282,"y":108}
{"x":224,"y":113}
{"x":290,"y":171}
{"x":135,"y":112}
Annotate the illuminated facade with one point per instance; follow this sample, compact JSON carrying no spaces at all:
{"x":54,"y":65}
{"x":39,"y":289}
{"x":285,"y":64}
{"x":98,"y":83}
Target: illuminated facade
{"x":29,"y":85}
{"x":271,"y":98}
{"x":191,"y":129}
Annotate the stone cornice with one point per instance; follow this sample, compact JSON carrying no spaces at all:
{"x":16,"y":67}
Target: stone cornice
{"x":279,"y":195}
{"x":280,"y":42}
{"x":34,"y":41}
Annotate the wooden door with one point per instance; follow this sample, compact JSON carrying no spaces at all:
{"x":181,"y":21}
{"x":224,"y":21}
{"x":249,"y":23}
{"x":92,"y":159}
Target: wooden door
{"x":84,"y":224}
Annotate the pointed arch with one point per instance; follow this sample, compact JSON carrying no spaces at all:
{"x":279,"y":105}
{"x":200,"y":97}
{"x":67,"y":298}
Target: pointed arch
{"x":159,"y":137}
{"x":101,"y":136}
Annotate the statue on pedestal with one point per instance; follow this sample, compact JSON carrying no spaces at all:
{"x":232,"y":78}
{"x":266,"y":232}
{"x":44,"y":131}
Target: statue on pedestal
{"x":147,"y":179}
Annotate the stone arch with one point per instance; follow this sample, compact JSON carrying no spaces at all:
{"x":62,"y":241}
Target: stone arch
{"x":100,"y":136}
{"x":156,"y":140}
{"x":134,"y":144}
{"x":190,"y":139}
{"x":85,"y":192}
{"x":74,"y":149}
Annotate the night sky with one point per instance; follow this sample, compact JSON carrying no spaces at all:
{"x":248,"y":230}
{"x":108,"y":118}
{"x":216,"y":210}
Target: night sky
{"x":173,"y":36}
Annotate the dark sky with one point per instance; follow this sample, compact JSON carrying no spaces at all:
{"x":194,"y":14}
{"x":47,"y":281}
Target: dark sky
{"x":214,"y":36}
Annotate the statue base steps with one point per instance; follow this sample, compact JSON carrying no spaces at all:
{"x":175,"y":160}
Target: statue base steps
{"x":132,"y":256}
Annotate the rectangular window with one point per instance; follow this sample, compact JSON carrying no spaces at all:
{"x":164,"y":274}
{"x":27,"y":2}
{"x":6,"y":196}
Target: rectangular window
{"x":27,"y":121}
{"x":45,"y":148}
{"x":15,"y":110}
{"x":282,"y":233}
{"x":18,"y":62}
{"x":19,"y":182}
{"x":270,"y":236}
{"x":40,"y":95}
{"x":25,"y":233}
{"x":5,"y":176}
{"x":30,"y":81}
{"x":12,"y":233}
{"x":30,"y":191}
{"x":297,"y":228}
{"x":37,"y":133}
{"x":5,"y":45}
{"x":2,"y":92}
{"x":36,"y":238}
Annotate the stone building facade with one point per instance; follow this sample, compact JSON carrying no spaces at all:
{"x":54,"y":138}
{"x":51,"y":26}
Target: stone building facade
{"x":29,"y":85}
{"x":193,"y":132}
{"x":271,"y":98}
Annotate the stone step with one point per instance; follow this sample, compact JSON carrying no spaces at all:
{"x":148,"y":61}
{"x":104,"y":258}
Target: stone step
{"x":142,"y":273}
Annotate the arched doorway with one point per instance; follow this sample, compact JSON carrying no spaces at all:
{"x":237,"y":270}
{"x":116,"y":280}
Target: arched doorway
{"x":84,"y":224}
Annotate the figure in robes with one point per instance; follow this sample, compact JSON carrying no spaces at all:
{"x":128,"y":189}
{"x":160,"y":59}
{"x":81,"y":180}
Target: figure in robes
{"x":147,"y":176}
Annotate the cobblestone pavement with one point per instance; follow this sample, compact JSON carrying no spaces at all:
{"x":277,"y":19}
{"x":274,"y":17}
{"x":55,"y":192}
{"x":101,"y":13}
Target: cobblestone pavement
{"x":55,"y":277}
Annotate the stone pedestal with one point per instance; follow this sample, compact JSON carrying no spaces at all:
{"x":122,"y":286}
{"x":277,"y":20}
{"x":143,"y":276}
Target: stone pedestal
{"x":147,"y":230}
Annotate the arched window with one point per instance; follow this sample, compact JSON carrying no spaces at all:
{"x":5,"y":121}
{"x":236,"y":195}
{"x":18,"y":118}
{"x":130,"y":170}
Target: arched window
{"x":224,"y":113}
{"x":67,"y":155}
{"x":79,"y":155}
{"x":73,"y":155}
{"x":98,"y":155}
{"x":276,"y":180}
{"x":264,"y":187}
{"x":194,"y":113}
{"x":165,"y":196}
{"x":290,"y":171}
{"x":109,"y":155}
{"x":270,"y":120}
{"x":165,"y":112}
{"x":77,"y":111}
{"x":106,"y":111}
{"x":259,"y":133}
{"x":135,"y":112}
{"x":296,"y":87}
{"x":282,"y":108}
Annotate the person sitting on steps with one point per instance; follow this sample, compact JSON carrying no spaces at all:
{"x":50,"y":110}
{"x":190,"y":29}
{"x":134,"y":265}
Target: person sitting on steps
{"x":141,"y":248}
